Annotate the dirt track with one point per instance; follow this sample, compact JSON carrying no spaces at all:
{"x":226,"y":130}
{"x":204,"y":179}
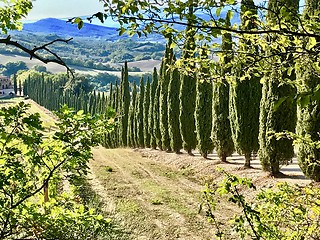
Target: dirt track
{"x":156,"y":195}
{"x":153,"y":201}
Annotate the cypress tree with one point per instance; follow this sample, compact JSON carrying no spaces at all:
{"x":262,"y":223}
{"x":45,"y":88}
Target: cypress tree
{"x":245,"y":95}
{"x":156,"y":118}
{"x":273,"y":152}
{"x":174,"y":110}
{"x":309,"y":115}
{"x":110,"y":101}
{"x":164,"y":83}
{"x":125,"y":95}
{"x":221,"y":130}
{"x":146,"y":107}
{"x":140,"y":121}
{"x":132,"y":126}
{"x":204,"y":108}
{"x":15,"y":84}
{"x":154,"y":84}
{"x":188,"y":93}
{"x":115,"y":106}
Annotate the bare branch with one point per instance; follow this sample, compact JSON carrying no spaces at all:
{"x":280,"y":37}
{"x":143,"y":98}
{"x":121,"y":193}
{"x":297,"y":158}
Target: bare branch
{"x":33,"y":52}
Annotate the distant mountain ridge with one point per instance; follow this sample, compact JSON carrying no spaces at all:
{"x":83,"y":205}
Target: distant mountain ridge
{"x":62,"y":28}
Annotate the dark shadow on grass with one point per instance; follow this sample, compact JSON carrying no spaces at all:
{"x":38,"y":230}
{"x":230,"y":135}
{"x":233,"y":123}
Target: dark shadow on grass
{"x":282,"y":175}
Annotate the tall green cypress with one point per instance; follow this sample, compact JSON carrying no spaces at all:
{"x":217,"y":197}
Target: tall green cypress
{"x":154,"y":84}
{"x":20,"y":87}
{"x":125,"y":100}
{"x":164,"y":83}
{"x":221,"y":130}
{"x":156,"y":118}
{"x":174,"y":110}
{"x":204,"y":108}
{"x":132,"y":126}
{"x":188,"y":92}
{"x":245,"y":95}
{"x":140,"y":115}
{"x":146,"y":107}
{"x":110,"y":101}
{"x":309,"y":115}
{"x":115,"y":105}
{"x":274,"y":119}
{"x":15,"y":84}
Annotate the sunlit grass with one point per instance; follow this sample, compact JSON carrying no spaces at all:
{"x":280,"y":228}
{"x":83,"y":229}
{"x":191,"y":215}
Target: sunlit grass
{"x":47,"y":119}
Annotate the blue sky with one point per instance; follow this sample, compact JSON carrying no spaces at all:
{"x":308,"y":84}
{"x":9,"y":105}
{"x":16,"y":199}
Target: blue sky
{"x":67,"y":8}
{"x":63,"y":8}
{"x":70,"y":8}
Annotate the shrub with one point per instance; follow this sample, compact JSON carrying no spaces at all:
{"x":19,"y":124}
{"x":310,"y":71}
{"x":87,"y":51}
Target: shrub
{"x":283,"y":212}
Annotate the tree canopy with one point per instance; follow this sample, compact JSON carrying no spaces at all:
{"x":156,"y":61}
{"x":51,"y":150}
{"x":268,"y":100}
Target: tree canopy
{"x":171,"y":18}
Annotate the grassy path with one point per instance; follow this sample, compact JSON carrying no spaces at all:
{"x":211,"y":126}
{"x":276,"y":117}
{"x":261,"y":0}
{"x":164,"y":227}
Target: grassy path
{"x":156,"y":195}
{"x":152,"y":200}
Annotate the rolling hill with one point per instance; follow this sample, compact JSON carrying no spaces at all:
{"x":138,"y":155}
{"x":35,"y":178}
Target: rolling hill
{"x":62,"y":28}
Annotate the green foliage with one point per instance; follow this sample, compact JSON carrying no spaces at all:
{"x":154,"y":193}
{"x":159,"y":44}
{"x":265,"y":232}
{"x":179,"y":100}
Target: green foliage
{"x":132,"y":132}
{"x":156,"y":116}
{"x":11,"y":13}
{"x":146,"y":108}
{"x":52,"y":91}
{"x":273,"y":119}
{"x":11,"y":68}
{"x":188,"y":97}
{"x":221,"y":130}
{"x":30,"y":161}
{"x":203,"y":114}
{"x":174,"y":111}
{"x":283,"y":212}
{"x":308,"y":124}
{"x":140,"y":127}
{"x":153,"y":111}
{"x":164,"y":80}
{"x":15,"y":84}
{"x":245,"y":94}
{"x":39,"y":68}
{"x":125,"y":100}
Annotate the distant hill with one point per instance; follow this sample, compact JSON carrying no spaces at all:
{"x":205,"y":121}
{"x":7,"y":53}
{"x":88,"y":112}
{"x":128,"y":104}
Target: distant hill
{"x":59,"y":27}
{"x":62,"y":28}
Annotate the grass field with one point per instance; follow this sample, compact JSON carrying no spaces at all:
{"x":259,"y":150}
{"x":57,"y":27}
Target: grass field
{"x":157,"y":195}
{"x":47,"y":117}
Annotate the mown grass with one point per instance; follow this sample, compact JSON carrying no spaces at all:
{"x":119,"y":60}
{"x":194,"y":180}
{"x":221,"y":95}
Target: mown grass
{"x":48,"y":121}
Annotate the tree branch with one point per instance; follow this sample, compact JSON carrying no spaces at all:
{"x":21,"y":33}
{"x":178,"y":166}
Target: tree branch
{"x":232,"y":30}
{"x":33,"y":52}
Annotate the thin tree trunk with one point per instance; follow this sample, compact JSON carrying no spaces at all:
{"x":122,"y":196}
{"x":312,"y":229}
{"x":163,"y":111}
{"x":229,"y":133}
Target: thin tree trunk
{"x":247,"y":160}
{"x":190,"y":152}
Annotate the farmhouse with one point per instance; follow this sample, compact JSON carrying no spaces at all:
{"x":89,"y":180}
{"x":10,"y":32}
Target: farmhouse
{"x":6,"y":87}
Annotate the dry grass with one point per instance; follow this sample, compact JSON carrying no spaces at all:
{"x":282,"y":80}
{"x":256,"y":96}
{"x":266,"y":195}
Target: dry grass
{"x":156,"y":195}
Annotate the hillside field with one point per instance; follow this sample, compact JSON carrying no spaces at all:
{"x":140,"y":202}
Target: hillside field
{"x":157,"y":195}
{"x":146,"y":66}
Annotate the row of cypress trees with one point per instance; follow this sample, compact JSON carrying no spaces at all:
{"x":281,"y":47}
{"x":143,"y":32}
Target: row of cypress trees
{"x":238,"y":123}
{"x":48,"y":91}
{"x":309,"y":115}
{"x":177,"y":109}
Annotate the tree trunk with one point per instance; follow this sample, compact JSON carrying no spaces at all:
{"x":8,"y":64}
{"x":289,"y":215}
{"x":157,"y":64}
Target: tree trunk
{"x":224,"y":158}
{"x":247,"y":160}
